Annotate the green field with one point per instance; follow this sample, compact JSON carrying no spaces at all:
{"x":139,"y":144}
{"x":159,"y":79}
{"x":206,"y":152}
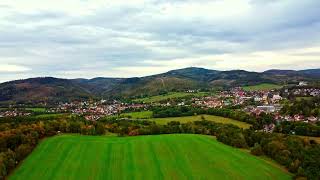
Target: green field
{"x":303,"y":98}
{"x":217,"y":119}
{"x":138,"y":115}
{"x":50,"y":115}
{"x":260,"y":87}
{"x":176,"y":156}
{"x":170,"y":96}
{"x":36,"y":109}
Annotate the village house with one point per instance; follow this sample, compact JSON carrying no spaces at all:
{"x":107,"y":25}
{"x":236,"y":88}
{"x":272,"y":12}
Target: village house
{"x":298,"y":117}
{"x":303,"y":83}
{"x":276,"y":98}
{"x":257,"y":99}
{"x":267,"y":109}
{"x":312,"y":119}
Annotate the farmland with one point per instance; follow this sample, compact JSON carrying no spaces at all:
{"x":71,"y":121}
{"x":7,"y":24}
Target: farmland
{"x":138,"y":115}
{"x":264,"y":86}
{"x":216,"y":119}
{"x":36,"y":109}
{"x":143,"y":157}
{"x":148,"y":115}
{"x":170,"y":95}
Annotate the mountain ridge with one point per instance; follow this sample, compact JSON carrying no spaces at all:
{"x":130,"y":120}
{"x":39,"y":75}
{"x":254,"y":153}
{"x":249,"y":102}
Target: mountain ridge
{"x":51,"y":89}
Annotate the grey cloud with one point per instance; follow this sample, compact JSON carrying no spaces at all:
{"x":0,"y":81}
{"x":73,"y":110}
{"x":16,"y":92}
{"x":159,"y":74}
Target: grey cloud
{"x":112,"y":37}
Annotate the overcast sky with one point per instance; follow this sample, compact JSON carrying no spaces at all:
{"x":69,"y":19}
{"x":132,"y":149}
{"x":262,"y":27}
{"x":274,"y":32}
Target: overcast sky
{"x":125,"y":38}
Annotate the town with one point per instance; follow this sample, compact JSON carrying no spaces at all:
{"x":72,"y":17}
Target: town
{"x":253,"y":103}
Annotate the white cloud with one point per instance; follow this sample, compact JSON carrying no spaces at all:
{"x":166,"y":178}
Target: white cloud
{"x":13,"y":68}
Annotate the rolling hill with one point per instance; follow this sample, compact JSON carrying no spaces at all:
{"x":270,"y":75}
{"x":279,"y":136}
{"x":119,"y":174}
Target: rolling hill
{"x":49,"y":89}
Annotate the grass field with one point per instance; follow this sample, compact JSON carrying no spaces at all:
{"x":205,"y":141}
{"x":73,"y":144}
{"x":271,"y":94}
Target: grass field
{"x":143,"y":157}
{"x":170,"y":96}
{"x":217,"y":119}
{"x":303,"y":98}
{"x":50,"y":115}
{"x":138,"y":115}
{"x":36,"y":109}
{"x":264,"y":86}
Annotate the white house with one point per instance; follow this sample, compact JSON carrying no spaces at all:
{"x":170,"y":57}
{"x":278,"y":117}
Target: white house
{"x":303,"y":83}
{"x":267,"y":109}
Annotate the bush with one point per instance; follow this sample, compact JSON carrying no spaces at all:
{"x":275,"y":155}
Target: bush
{"x":257,"y":150}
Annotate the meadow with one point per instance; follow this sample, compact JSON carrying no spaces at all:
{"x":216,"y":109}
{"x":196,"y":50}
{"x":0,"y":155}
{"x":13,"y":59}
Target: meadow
{"x":175,"y":156}
{"x":263,"y":86}
{"x":216,"y":119}
{"x":147,"y":115}
{"x":36,"y":109}
{"x":303,"y":98}
{"x":170,"y":95}
{"x":53,"y":115}
{"x":137,"y":115}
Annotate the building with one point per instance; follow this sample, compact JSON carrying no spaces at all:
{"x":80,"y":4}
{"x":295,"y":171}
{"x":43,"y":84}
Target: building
{"x":312,"y":119}
{"x":303,"y":83}
{"x":298,"y":117}
{"x":267,"y":109}
{"x":276,"y":98}
{"x":258,"y":99}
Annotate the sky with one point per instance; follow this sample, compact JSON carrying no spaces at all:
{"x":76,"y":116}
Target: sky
{"x":101,"y":38}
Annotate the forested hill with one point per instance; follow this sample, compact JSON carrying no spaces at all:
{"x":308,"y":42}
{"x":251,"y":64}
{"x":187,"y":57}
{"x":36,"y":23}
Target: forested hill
{"x":49,"y":89}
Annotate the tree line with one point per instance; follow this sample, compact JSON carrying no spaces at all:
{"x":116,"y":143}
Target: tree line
{"x":299,"y":128}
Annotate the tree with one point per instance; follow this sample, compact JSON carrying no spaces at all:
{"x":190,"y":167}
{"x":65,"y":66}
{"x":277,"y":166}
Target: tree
{"x":100,"y":130}
{"x":22,"y":151}
{"x":257,"y":150}
{"x":75,"y":127}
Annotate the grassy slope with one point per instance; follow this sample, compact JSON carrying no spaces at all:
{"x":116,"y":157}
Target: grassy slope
{"x":186,"y":119}
{"x":169,"y":96}
{"x":143,"y":157}
{"x":264,"y":86}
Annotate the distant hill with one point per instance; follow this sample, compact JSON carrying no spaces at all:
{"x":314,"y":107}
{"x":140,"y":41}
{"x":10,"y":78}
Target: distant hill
{"x":304,"y":73}
{"x":49,"y":89}
{"x":314,"y":73}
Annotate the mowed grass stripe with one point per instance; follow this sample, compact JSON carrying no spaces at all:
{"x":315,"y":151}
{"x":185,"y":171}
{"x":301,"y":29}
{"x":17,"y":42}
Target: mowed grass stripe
{"x":175,"y":156}
{"x":181,"y":161}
